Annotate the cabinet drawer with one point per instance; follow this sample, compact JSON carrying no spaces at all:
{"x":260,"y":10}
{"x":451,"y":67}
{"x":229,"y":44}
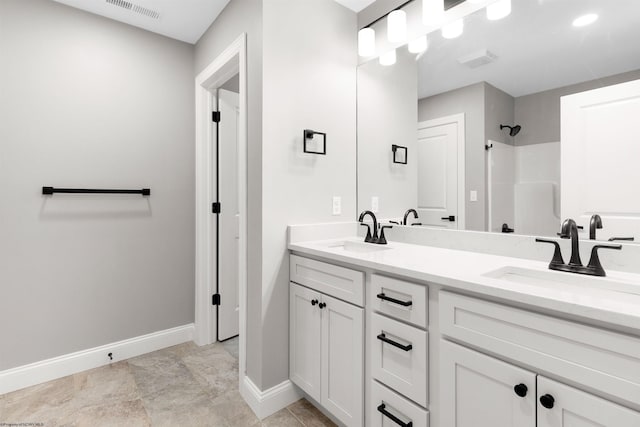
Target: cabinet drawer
{"x":340,"y":282}
{"x":399,"y":357}
{"x":394,"y":406}
{"x":399,"y":299}
{"x":603,"y":361}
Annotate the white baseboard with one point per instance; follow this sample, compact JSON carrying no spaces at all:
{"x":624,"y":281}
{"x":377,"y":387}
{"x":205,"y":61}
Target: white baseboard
{"x":58,"y":367}
{"x":270,"y":401}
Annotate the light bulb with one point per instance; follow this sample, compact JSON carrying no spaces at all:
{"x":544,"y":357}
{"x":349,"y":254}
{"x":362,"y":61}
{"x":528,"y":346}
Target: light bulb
{"x":418,"y":45}
{"x":397,"y":26}
{"x":367,"y":42}
{"x":453,"y":30}
{"x":388,"y":58}
{"x":585,"y":20}
{"x":432,"y":12}
{"x":498,"y":10}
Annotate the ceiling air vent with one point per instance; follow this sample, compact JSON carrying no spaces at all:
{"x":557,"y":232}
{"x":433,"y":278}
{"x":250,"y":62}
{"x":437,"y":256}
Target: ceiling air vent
{"x":478,"y":59}
{"x":150,"y":13}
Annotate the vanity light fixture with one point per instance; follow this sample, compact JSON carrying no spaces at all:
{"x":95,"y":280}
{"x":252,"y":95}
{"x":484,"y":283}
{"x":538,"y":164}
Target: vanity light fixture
{"x":418,"y":45}
{"x":367,"y":42}
{"x":388,"y":58}
{"x":498,"y":10}
{"x":453,"y":29}
{"x":585,"y":20}
{"x":397,"y":26}
{"x":432,"y":12}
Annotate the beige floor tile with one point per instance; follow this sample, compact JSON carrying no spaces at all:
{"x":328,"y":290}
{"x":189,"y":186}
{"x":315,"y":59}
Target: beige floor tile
{"x":309,"y":415}
{"x":214,"y":370}
{"x":235,"y":410}
{"x":44,"y":403}
{"x":115,"y":414}
{"x":107,"y":384}
{"x":282,"y":418}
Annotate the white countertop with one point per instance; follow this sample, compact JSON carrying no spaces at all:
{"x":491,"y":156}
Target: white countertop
{"x":466,"y":271}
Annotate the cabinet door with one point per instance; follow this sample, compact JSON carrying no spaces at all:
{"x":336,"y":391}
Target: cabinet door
{"x":342,"y":360}
{"x":305,"y":339}
{"x":562,"y":406}
{"x":480,"y":391}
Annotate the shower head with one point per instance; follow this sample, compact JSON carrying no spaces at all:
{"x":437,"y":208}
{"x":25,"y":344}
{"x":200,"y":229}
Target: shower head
{"x":513,"y":130}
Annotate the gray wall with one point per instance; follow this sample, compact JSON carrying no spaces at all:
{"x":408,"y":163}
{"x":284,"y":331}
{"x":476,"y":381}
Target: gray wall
{"x":245,"y":16}
{"x":469,"y":100}
{"x":387,"y":114}
{"x":89,"y":102}
{"x":539,"y":113}
{"x":499,"y":109}
{"x":310,"y":62}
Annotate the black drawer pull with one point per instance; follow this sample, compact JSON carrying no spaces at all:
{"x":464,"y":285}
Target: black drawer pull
{"x":382,"y":337}
{"x":382,"y":296}
{"x":383,"y":411}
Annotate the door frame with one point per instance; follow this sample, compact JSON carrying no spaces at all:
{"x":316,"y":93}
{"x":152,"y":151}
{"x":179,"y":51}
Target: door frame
{"x":458,"y":119}
{"x":232,"y":61}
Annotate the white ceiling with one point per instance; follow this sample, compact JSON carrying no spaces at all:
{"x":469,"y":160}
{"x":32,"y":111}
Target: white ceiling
{"x":355,"y":5}
{"x":184,"y":20}
{"x":537,"y":47}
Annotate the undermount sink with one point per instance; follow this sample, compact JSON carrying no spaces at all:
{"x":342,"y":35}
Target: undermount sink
{"x":357,"y":247}
{"x":552,"y":279}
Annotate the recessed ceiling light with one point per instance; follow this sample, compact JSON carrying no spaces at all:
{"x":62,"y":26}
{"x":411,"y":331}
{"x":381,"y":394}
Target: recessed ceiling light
{"x":585,"y":20}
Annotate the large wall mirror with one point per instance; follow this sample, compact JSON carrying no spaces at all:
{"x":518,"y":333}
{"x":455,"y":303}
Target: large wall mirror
{"x":512,"y":126}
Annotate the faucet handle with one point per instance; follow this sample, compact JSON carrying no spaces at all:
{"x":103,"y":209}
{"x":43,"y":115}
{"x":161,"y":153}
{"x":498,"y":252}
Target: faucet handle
{"x":594,"y":263}
{"x":557,"y":253}
{"x":367,"y":239}
{"x":383,"y":240}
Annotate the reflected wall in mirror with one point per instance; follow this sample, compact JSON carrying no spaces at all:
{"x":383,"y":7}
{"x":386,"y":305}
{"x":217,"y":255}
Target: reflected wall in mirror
{"x":511,"y":127}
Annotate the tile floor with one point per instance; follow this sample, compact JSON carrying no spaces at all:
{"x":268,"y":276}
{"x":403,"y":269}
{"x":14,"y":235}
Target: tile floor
{"x":185,"y":385}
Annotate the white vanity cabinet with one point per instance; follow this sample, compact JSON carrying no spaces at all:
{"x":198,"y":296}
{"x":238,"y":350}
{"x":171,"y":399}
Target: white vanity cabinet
{"x":326,"y":342}
{"x":481,"y":391}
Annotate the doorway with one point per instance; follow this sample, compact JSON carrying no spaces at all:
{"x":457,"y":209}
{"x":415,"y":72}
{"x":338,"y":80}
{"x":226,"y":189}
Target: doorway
{"x":441,"y":172}
{"x":221,"y":230}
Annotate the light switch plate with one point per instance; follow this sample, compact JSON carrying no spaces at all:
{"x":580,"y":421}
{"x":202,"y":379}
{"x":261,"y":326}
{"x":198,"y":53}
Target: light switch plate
{"x":473,"y":196}
{"x":337,"y":205}
{"x":375,"y":206}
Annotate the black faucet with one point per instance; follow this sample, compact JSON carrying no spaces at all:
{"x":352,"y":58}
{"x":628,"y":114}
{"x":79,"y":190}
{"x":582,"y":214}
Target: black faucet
{"x":370,"y":238}
{"x":570,"y":230}
{"x":594,"y":268}
{"x":373,"y":238}
{"x":594,"y":224}
{"x":406,"y":215}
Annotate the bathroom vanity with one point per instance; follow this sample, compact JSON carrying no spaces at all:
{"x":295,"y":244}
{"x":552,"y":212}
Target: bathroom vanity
{"x":412,"y":335}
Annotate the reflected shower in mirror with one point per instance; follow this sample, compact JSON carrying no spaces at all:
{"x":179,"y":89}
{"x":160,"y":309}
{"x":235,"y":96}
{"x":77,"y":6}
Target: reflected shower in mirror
{"x":511,"y":127}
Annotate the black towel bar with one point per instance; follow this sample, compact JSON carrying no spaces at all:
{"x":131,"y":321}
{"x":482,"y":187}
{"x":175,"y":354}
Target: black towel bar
{"x":52,"y":190}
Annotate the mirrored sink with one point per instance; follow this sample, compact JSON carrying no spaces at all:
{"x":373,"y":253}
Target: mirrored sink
{"x":357,"y":247}
{"x":552,"y":279}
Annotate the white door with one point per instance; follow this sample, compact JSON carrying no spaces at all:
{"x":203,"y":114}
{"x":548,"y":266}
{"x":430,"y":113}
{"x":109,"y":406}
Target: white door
{"x":438,"y":161}
{"x":305,"y":339}
{"x":228,"y":226}
{"x":566,"y":406}
{"x":480,"y":391}
{"x":600,"y":151}
{"x":342,"y":360}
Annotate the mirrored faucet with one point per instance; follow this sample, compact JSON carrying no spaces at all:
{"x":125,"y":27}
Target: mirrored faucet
{"x":594,"y":224}
{"x":406,"y":215}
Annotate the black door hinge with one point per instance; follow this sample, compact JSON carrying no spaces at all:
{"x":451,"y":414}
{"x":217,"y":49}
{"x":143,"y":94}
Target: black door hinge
{"x":215,"y":299}
{"x":215,"y":116}
{"x":216,"y":207}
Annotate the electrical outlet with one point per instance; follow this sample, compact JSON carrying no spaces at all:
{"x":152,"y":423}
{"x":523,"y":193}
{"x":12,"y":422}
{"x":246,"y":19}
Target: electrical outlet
{"x":375,"y":205}
{"x":473,"y":196}
{"x":337,"y":205}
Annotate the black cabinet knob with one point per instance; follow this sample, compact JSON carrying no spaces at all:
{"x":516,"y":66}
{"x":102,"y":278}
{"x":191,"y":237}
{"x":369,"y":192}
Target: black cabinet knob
{"x":314,"y":301}
{"x":547,"y":401}
{"x":322,"y":305}
{"x":521,"y":390}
